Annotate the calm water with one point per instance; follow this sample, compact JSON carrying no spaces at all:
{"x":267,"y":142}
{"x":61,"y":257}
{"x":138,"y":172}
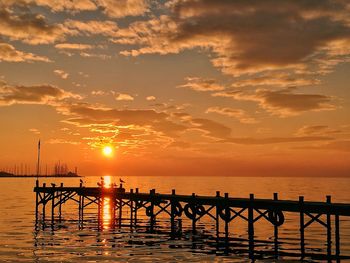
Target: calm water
{"x":19,"y":242}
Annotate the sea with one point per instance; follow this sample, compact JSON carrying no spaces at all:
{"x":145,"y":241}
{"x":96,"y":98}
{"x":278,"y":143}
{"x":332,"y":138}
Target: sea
{"x":23,"y":240}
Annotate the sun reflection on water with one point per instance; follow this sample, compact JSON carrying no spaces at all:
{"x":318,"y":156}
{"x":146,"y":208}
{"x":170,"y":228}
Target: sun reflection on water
{"x":106,"y":205}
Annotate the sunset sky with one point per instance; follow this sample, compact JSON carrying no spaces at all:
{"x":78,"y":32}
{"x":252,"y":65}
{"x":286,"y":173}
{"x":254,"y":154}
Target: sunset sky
{"x":180,"y":87}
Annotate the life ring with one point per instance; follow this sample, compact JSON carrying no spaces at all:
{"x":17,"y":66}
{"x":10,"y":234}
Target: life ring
{"x":176,"y":209}
{"x":276,"y":217}
{"x":149,"y":211}
{"x":225,"y":214}
{"x":192,"y":210}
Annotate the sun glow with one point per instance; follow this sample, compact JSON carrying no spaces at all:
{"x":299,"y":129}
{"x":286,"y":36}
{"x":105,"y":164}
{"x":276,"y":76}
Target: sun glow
{"x":107,"y":151}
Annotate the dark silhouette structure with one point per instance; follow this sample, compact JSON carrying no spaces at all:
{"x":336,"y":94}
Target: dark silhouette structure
{"x":222,"y":209}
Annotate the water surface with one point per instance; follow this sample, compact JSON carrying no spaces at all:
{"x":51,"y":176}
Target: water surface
{"x":20,"y":242}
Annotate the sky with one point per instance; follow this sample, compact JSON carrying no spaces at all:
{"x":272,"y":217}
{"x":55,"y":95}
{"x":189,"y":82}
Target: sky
{"x":179,"y":87}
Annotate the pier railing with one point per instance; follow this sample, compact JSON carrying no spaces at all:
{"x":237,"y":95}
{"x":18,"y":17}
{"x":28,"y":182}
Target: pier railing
{"x":222,"y":209}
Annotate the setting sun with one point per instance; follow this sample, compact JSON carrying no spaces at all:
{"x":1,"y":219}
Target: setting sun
{"x":107,"y":151}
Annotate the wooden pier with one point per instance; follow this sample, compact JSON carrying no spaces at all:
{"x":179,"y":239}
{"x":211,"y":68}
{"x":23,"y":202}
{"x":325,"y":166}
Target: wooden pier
{"x":222,"y":209}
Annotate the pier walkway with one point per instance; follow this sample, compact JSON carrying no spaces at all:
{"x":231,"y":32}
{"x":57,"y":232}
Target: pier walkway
{"x":224,"y":210}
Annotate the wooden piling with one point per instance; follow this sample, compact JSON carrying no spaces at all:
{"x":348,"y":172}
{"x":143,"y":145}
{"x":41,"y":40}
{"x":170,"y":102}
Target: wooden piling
{"x":131,"y":207}
{"x":251,"y":227}
{"x":172,"y":214}
{"x":329,"y":231}
{"x":337,"y":238}
{"x":217,"y":216}
{"x":302,"y":225}
{"x":275,"y":230}
{"x":151,"y":210}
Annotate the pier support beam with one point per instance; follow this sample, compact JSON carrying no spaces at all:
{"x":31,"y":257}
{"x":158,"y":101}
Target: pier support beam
{"x":172,"y":215}
{"x":302,"y":227}
{"x":251,"y":227}
{"x":275,"y":230}
{"x":329,"y":231}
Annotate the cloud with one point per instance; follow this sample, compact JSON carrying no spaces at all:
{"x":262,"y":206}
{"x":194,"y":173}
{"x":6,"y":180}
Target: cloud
{"x":239,"y":114}
{"x":112,"y":8}
{"x":212,"y":128}
{"x":124,"y":97}
{"x":283,"y":102}
{"x":313,"y":130}
{"x":123,"y":8}
{"x":29,"y":28}
{"x":73,"y":46}
{"x":199,"y":84}
{"x":62,"y":74}
{"x":55,"y":5}
{"x":41,"y":94}
{"x":341,"y":146}
{"x":276,"y":140}
{"x":92,"y":27}
{"x":62,"y":141}
{"x":150,"y":98}
{"x":98,"y":93}
{"x":276,"y":79}
{"x":10,"y":54}
{"x":247,"y":37}
{"x":35,"y":131}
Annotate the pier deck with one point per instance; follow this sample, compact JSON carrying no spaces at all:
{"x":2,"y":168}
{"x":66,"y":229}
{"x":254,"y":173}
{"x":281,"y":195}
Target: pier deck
{"x":222,"y":209}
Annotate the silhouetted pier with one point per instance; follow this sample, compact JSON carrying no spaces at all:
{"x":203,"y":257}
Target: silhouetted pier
{"x":222,"y":209}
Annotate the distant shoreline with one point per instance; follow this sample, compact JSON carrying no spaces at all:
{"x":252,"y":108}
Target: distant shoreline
{"x":34,"y":176}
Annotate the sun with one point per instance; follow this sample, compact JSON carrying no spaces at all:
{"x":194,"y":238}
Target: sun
{"x":107,"y":151}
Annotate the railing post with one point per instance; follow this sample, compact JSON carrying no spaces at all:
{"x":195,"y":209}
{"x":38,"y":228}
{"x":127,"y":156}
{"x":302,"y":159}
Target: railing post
{"x":302,"y":236}
{"x":251,"y":226}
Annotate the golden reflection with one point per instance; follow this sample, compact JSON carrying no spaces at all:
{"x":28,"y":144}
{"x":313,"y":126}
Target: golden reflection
{"x":106,"y":213}
{"x":106,"y":205}
{"x":107,"y":181}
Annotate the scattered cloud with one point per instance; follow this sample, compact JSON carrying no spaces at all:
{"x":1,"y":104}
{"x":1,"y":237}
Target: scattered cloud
{"x":249,"y":37}
{"x":10,"y":54}
{"x":211,"y":128}
{"x":283,"y":102}
{"x":199,"y":84}
{"x":35,"y":131}
{"x":239,"y":114}
{"x":62,"y":141}
{"x":98,"y":93}
{"x":111,"y":8}
{"x":62,"y":74}
{"x":123,"y":8}
{"x":124,"y":97}
{"x":151,"y":98}
{"x":41,"y":94}
{"x":73,"y":46}
{"x":276,"y":79}
{"x":92,"y":27}
{"x":276,"y":140}
{"x":29,"y":28}
{"x":312,"y":130}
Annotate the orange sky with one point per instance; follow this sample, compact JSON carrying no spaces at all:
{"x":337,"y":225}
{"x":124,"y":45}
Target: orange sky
{"x":177,"y":87}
